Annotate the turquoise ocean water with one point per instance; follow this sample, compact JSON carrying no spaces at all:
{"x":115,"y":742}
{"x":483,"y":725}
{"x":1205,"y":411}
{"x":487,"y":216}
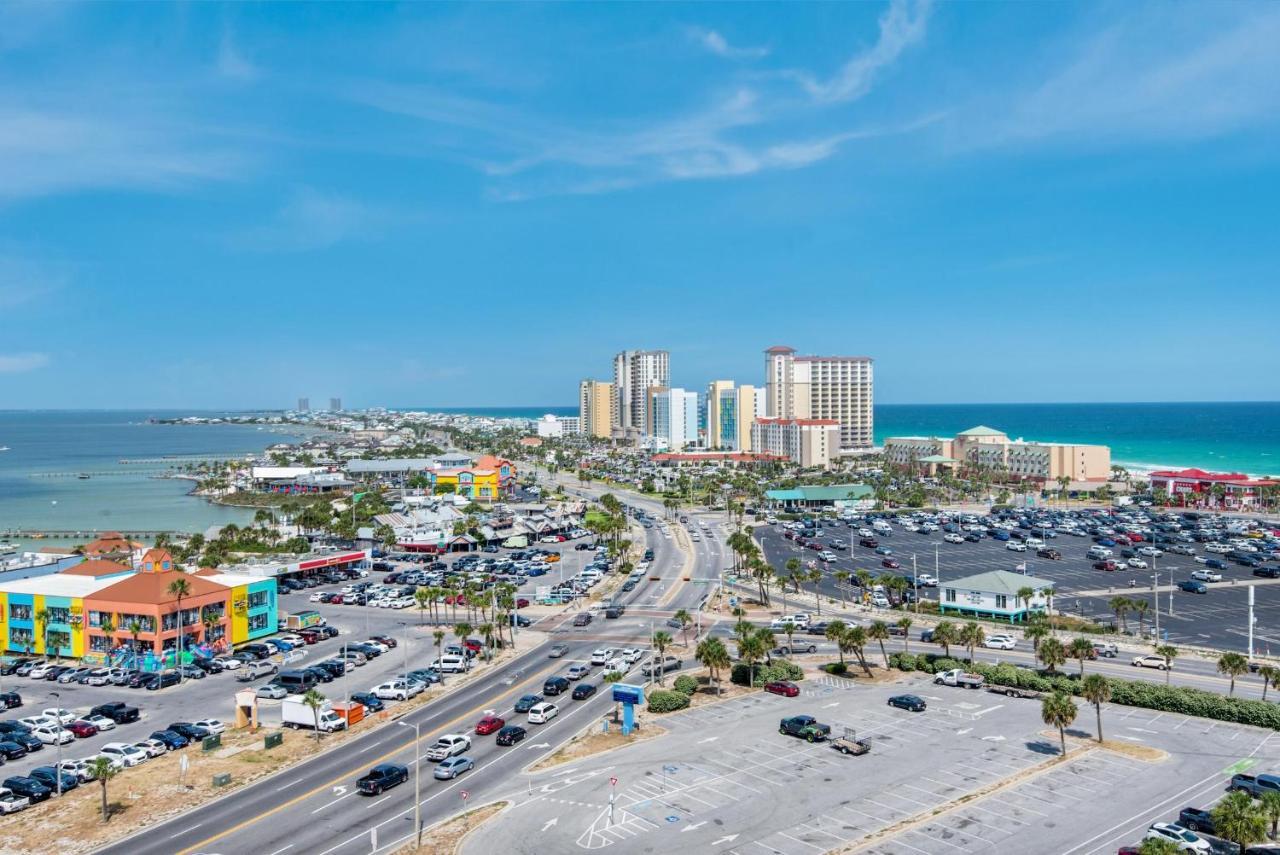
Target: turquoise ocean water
{"x":1242,"y":437}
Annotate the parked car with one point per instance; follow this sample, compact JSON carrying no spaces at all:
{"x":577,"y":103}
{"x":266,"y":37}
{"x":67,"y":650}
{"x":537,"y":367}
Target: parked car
{"x":913,"y":703}
{"x":1149,"y":661}
{"x":805,"y":727}
{"x":1186,"y":841}
{"x":28,"y":788}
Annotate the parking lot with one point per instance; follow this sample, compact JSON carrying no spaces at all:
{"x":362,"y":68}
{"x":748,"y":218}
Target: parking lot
{"x":974,"y":773}
{"x":1216,"y":619}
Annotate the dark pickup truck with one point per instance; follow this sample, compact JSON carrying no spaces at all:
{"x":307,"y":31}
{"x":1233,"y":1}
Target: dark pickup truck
{"x":805,"y":727}
{"x":118,"y":712}
{"x":1255,"y":785}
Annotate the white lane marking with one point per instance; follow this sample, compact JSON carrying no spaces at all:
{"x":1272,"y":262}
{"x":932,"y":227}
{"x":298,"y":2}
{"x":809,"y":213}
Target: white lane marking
{"x":185,"y":830}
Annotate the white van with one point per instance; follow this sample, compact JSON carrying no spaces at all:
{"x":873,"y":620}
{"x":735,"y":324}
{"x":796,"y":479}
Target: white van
{"x":1099,"y":552}
{"x":542,"y":713}
{"x":881,"y":527}
{"x":451,"y":664}
{"x":800,"y":621}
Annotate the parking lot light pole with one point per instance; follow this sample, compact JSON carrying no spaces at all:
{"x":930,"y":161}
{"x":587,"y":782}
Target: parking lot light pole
{"x":915,"y":580}
{"x":1155,"y":593}
{"x":417,"y":781}
{"x":57,"y":706}
{"x":405,"y":624}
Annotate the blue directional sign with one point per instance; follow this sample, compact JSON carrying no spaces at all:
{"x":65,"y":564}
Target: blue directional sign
{"x":624,"y":693}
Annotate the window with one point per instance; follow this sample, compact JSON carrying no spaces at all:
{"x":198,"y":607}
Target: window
{"x":59,"y":615}
{"x":1002,"y":601}
{"x":951,"y":595}
{"x":257,"y":599}
{"x":257,"y":622}
{"x":19,"y":612}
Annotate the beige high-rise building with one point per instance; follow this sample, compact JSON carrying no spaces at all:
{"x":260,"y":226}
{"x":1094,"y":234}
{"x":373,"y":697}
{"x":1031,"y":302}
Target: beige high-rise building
{"x":982,"y":447}
{"x":808,"y":442}
{"x":751,"y":406}
{"x":822,"y":387}
{"x":597,"y":408}
{"x":731,"y":412}
{"x":634,"y":373}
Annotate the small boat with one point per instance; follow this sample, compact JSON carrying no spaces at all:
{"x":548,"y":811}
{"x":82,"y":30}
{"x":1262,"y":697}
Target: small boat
{"x":83,"y":476}
{"x":4,"y":448}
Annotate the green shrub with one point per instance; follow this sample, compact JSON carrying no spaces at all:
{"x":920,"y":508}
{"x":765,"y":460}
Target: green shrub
{"x":664,"y":701}
{"x":779,"y":670}
{"x":686,"y":685}
{"x":837,"y":668}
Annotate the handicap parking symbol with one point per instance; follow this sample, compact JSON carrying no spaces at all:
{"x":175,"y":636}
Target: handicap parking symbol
{"x":673,"y":818}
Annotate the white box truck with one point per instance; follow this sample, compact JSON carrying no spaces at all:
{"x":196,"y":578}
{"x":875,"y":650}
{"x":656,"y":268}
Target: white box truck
{"x":294,"y":713}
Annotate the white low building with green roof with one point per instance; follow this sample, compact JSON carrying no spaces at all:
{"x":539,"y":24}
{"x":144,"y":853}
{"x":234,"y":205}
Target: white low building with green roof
{"x":995,"y":594}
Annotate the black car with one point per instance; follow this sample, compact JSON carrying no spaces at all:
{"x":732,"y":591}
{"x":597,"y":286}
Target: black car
{"x":1267,"y":572}
{"x":335,"y":669}
{"x":381,"y":777}
{"x":371,"y":701}
{"x":582,"y":691}
{"x":10,"y":700}
{"x":11,"y":750}
{"x":189,"y":730}
{"x":511,"y":734}
{"x":57,"y":671}
{"x":161,"y":681}
{"x":120,"y":713}
{"x":171,"y":739}
{"x":1195,"y":819}
{"x":581,"y":619}
{"x":48,"y":776}
{"x":324,"y":675}
{"x":12,"y":731}
{"x":555,"y":685}
{"x":209,"y":666}
{"x":527,"y":702}
{"x":914,"y":703}
{"x":29,"y":787}
{"x":10,"y":666}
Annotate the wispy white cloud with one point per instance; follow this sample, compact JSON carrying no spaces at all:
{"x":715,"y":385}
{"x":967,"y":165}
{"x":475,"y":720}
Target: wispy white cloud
{"x":311,"y":219}
{"x":22,"y":363}
{"x":713,"y":42}
{"x":902,"y":25}
{"x":231,"y":63}
{"x":1156,"y":74}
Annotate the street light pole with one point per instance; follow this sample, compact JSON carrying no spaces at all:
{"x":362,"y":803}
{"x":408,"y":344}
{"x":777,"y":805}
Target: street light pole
{"x":57,"y":704}
{"x":417,"y":782}
{"x":406,"y":647}
{"x":1155,"y":593}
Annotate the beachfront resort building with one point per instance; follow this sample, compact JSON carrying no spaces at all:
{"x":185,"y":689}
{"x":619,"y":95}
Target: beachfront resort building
{"x":806,"y":442}
{"x":597,"y":408}
{"x":99,"y":610}
{"x":675,"y":419}
{"x":554,"y":427}
{"x":1197,"y":488}
{"x":984,"y":448}
{"x":731,"y":412}
{"x":634,"y":373}
{"x":839,"y":388}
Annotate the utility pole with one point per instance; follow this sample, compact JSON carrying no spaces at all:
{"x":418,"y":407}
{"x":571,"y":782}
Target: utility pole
{"x":1251,"y":621}
{"x":1155,"y":593}
{"x":417,"y":781}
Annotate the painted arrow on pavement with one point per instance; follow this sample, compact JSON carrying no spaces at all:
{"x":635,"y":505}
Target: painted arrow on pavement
{"x":539,"y":745}
{"x":708,"y":739}
{"x":829,"y":706}
{"x":546,"y":825}
{"x":728,"y":838}
{"x":693,"y":826}
{"x":339,"y":791}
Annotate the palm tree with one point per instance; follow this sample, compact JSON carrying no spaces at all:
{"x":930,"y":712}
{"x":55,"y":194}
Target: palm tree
{"x":422,"y":597}
{"x":1036,"y":630}
{"x":815,"y":576}
{"x":1238,"y":819}
{"x":1159,"y":846}
{"x":971,"y":635}
{"x":103,"y":771}
{"x":905,"y":624}
{"x":438,"y":635}
{"x":714,"y":655}
{"x":685,"y":619}
{"x":750,"y":650}
{"x":1233,"y":665}
{"x":1058,"y":710}
{"x":135,"y":629}
{"x":314,"y":700}
{"x":661,"y":641}
{"x":462,"y":629}
{"x":1121,"y":605}
{"x":1168,"y":653}
{"x":489,"y":633}
{"x":1051,"y":653}
{"x":790,"y":629}
{"x":945,"y":634}
{"x":879,"y":632}
{"x":1024,"y":595}
{"x":1269,"y":801}
{"x":178,"y":589}
{"x":835,"y":631}
{"x":1097,"y":691}
{"x":1140,"y":608}
{"x":42,"y":630}
{"x":1081,"y":649}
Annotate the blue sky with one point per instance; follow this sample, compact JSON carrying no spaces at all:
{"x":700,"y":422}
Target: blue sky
{"x":208,"y":205}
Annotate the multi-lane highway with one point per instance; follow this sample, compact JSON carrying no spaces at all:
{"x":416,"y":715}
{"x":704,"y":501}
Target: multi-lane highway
{"x":313,"y":807}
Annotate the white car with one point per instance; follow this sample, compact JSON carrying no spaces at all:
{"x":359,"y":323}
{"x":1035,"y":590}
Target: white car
{"x":396,"y":690}
{"x":101,"y":722}
{"x":101,"y":677}
{"x":1136,"y":564}
{"x":53,"y":735}
{"x":952,"y":537}
{"x":39,"y":672}
{"x":1150,"y":551}
{"x":449,"y":745}
{"x":130,"y":755}
{"x":1206,"y":575}
{"x":1000,"y":642}
{"x":153,"y":747}
{"x":1033,"y":541}
{"x":378,"y":645}
{"x":617,"y":663}
{"x":632,"y":654}
{"x":926,"y":580}
{"x":11,"y":802}
{"x":1016,"y":546}
{"x":315,"y":598}
{"x":601,"y":655}
{"x":542,"y":713}
{"x":212,"y":725}
{"x":80,"y":768}
{"x":34,"y":721}
{"x":1149,"y":661}
{"x":228,"y":663}
{"x":1186,"y":841}
{"x":116,"y":761}
{"x":1220,"y":548}
{"x":57,"y":714}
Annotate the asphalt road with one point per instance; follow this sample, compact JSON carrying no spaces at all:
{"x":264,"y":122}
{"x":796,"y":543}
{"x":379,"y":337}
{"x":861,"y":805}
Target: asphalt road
{"x":1217,"y":619}
{"x":312,"y":807}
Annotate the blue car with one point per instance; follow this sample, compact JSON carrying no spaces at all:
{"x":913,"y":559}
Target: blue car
{"x":1194,"y":587}
{"x":1000,"y":535}
{"x":171,"y":739}
{"x":371,"y":702}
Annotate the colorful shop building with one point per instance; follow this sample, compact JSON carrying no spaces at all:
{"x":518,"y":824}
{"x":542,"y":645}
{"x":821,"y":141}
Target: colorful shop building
{"x":489,"y":480}
{"x":107,"y":612}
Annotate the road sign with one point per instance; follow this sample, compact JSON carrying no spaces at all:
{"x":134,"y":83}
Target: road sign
{"x":613,"y":782}
{"x":465,"y":795}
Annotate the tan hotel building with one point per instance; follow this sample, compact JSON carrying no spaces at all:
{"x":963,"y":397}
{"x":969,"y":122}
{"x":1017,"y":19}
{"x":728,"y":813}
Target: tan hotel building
{"x":597,"y":408}
{"x":822,"y":387}
{"x":992,"y":449}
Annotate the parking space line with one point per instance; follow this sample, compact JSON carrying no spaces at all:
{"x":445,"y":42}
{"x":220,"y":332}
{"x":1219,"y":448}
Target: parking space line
{"x":932,"y":837}
{"x":816,"y":830}
{"x":1002,"y":817}
{"x":801,"y":842}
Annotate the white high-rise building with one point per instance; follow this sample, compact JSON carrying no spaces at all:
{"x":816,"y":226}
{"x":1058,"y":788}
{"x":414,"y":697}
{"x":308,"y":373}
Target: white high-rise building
{"x":675,"y":418}
{"x":822,"y":387}
{"x":634,"y":372}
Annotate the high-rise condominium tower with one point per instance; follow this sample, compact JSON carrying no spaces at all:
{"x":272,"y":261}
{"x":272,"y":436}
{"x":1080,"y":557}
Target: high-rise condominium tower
{"x":634,"y":373}
{"x":822,"y":387}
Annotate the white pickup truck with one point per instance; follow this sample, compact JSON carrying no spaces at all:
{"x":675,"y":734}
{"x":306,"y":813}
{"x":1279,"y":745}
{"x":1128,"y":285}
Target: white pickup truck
{"x":956,"y":677}
{"x":449,"y":746}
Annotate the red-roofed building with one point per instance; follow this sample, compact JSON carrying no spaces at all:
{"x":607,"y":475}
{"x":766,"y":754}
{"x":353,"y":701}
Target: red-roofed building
{"x":715,"y":458}
{"x":1198,"y":488}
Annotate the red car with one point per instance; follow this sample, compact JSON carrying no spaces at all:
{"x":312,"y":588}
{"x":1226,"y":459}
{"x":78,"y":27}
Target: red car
{"x":473,"y":644}
{"x":522,"y":603}
{"x":489,"y":724}
{"x":336,"y":599}
{"x":384,"y":639}
{"x":459,"y":600}
{"x":1108,"y":564}
{"x":82,"y":729}
{"x":783,"y":687}
{"x":891,"y":563}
